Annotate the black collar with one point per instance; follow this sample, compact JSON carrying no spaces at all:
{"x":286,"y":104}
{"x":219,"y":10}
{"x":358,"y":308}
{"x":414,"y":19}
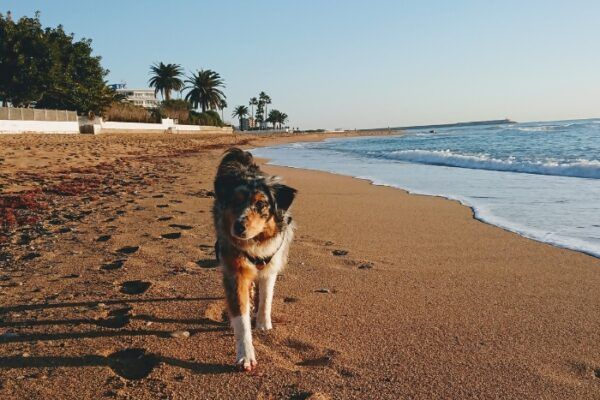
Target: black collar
{"x":260,"y":262}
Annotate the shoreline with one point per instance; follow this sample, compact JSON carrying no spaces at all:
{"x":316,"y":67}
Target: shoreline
{"x":478,"y":211}
{"x":473,"y":209}
{"x":386,"y":295}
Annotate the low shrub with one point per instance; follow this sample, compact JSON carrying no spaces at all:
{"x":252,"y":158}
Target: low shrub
{"x":210,"y":118}
{"x":127,"y":112}
{"x":176,"y":109}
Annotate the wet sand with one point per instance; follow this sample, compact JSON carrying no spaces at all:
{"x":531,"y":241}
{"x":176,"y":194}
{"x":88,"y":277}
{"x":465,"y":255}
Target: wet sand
{"x":109,"y":288}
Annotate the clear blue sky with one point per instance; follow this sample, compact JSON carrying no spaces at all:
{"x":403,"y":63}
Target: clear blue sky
{"x":359,"y":64}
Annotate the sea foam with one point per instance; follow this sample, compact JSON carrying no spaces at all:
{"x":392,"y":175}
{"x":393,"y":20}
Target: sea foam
{"x":581,"y":168}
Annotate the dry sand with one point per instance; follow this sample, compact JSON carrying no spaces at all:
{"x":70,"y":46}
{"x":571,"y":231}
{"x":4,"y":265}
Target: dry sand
{"x":387,"y":295}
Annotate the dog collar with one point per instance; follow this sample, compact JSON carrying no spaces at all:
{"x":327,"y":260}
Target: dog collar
{"x":258,"y":262}
{"x":261,"y":262}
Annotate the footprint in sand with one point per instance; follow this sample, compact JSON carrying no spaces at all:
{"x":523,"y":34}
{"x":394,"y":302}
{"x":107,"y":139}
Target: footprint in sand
{"x":132,"y":364}
{"x":290,"y":300}
{"x":164,"y":218}
{"x":207,"y":263}
{"x":158,"y":196}
{"x":180,"y":226}
{"x":113,"y":265}
{"x":366,"y":265}
{"x":116,"y":319}
{"x":162,"y":206}
{"x":128,"y":249}
{"x":299,"y":345}
{"x":339,"y":253}
{"x":202,"y":193}
{"x":172,"y":235}
{"x":30,"y":256}
{"x":103,"y":238}
{"x":323,"y":361}
{"x":135,"y":287}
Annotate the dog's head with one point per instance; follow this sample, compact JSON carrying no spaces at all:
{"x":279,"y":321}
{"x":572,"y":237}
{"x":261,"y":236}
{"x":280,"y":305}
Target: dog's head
{"x":252,"y":203}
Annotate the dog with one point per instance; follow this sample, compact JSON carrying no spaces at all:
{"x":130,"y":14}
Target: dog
{"x":254,"y":230}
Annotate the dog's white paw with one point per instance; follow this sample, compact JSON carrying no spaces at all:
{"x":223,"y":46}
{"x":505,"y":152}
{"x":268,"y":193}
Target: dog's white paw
{"x":245,"y":360}
{"x":246,"y":364}
{"x":263,"y":325}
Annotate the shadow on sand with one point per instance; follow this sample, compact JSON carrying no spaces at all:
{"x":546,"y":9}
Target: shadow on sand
{"x":131,"y":363}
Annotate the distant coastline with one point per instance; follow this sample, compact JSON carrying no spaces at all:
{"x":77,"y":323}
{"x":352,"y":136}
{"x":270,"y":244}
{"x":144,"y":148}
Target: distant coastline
{"x":452,"y":125}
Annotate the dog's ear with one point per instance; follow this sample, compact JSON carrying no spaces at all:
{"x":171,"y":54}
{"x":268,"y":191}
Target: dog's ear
{"x":284,"y":195}
{"x":224,"y":188}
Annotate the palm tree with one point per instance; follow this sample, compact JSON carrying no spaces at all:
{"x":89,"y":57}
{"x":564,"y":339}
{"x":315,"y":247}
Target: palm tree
{"x":282,"y":119}
{"x":265,"y":99}
{"x":273,"y":117}
{"x":204,"y":89}
{"x":277,"y":117}
{"x":222,"y":105}
{"x":240,"y":112}
{"x":164,"y":78}
{"x":253,"y":102}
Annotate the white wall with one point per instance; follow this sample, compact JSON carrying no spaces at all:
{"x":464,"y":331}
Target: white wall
{"x":203,"y":129}
{"x":166,"y":123}
{"x":14,"y":126}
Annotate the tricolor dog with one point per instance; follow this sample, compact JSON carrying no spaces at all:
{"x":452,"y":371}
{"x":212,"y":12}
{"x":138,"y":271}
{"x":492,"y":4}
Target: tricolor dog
{"x":254,"y":231}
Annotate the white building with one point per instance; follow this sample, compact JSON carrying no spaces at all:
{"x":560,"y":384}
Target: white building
{"x":140,"y":97}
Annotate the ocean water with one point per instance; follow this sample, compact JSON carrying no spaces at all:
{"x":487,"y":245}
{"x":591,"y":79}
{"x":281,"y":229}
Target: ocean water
{"x":541,"y":180}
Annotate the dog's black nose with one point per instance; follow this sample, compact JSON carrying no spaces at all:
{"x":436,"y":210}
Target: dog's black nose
{"x":239,"y":228}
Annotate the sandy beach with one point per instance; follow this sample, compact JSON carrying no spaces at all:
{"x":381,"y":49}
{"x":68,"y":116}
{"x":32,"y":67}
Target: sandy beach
{"x":109,"y":288}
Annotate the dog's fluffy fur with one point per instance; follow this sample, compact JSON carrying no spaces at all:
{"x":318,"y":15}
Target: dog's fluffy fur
{"x":254,"y":230}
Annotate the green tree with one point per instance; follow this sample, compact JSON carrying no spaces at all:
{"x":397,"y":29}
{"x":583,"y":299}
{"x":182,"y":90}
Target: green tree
{"x":260,"y":112}
{"x":272,"y":118}
{"x":282,"y":119}
{"x":165,"y":78}
{"x":277,"y":118}
{"x":265,"y":99}
{"x":204,"y":89}
{"x":253,"y":102}
{"x":222,"y":106}
{"x":49,"y":68}
{"x":240,"y":112}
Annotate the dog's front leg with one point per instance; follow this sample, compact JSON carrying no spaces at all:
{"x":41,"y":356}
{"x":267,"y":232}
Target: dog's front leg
{"x":238,"y":299}
{"x":266,"y":285}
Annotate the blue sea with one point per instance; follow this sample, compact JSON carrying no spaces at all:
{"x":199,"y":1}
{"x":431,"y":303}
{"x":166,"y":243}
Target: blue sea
{"x":541,"y":180}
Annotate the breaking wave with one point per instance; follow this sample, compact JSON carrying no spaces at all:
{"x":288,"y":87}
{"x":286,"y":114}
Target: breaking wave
{"x":580,"y":168}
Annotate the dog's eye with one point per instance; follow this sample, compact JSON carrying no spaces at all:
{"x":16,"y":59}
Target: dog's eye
{"x":260,"y":204}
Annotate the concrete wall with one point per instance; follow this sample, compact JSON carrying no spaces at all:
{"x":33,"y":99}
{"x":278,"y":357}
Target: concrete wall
{"x":13,"y":126}
{"x":34,"y":114}
{"x":135,"y":126}
{"x":203,"y":129}
{"x":167,"y":126}
{"x":73,"y":124}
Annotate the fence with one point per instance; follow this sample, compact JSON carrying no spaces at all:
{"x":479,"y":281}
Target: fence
{"x":34,"y":114}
